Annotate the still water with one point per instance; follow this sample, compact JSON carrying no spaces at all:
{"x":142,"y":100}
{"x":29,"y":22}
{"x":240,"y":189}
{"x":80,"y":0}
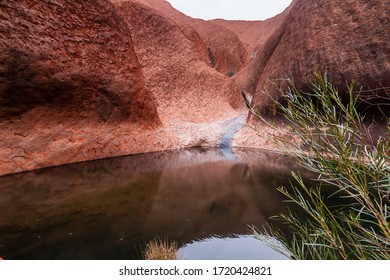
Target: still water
{"x":204,"y":199}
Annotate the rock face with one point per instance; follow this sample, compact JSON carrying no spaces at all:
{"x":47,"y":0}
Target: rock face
{"x":225,"y":50}
{"x":83,"y":80}
{"x":349,"y":38}
{"x":253,"y":34}
{"x":70,"y":58}
{"x":264,"y":44}
{"x":72,"y":87}
{"x":198,"y":43}
{"x":228,"y":52}
{"x":68,"y":68}
{"x":182,"y":84}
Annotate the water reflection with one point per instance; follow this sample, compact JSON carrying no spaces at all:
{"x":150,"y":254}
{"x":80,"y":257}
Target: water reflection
{"x":108,"y":209}
{"x":243,"y":247}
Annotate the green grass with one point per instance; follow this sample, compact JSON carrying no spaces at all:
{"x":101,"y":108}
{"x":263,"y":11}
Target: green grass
{"x":334,"y":143}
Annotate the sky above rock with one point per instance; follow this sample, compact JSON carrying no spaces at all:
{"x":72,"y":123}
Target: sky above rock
{"x":231,"y":9}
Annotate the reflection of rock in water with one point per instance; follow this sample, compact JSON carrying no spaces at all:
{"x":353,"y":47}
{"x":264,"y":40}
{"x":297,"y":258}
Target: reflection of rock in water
{"x":209,"y":198}
{"x":106,"y":209}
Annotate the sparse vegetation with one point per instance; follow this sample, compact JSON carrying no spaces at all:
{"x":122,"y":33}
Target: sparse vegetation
{"x":211,"y":57}
{"x":230,"y":73}
{"x":335,"y":143}
{"x":160,"y":250}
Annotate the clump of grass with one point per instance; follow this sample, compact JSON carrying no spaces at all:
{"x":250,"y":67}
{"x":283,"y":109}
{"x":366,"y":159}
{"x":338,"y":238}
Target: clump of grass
{"x":335,"y":144}
{"x":158,"y":249}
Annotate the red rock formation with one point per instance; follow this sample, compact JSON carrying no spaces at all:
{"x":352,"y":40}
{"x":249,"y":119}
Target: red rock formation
{"x":253,"y":34}
{"x":72,"y":58}
{"x":199,"y":44}
{"x":67,"y":69}
{"x":349,"y":38}
{"x":226,"y":51}
{"x":72,"y":89}
{"x":266,"y":41}
{"x":181,"y":82}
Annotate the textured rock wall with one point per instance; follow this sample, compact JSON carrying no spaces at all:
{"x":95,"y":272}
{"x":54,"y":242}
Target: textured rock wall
{"x":348,"y":38}
{"x":199,"y":45}
{"x":74,"y":57}
{"x":228,"y":51}
{"x":71,"y":87}
{"x":247,"y":79}
{"x":253,"y":33}
{"x":179,"y":79}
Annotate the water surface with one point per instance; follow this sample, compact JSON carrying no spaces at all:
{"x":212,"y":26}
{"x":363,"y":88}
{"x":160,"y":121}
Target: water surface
{"x":108,"y":209}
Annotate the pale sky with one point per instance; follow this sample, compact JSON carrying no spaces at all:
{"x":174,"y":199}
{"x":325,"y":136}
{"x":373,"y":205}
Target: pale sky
{"x":231,"y":9}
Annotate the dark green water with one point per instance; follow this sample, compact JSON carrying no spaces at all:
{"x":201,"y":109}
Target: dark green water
{"x":108,"y":209}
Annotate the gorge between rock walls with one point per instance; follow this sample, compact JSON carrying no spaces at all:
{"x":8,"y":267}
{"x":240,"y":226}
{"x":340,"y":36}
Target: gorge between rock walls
{"x":85,"y":80}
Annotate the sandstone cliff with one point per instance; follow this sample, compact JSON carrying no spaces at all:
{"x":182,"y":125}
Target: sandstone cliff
{"x":225,"y":47}
{"x":94,"y":79}
{"x":75,"y":88}
{"x":266,"y":42}
{"x":225,"y":50}
{"x":182,"y":84}
{"x":253,"y":34}
{"x":73,"y":59}
{"x":348,"y":38}
{"x":68,"y":71}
